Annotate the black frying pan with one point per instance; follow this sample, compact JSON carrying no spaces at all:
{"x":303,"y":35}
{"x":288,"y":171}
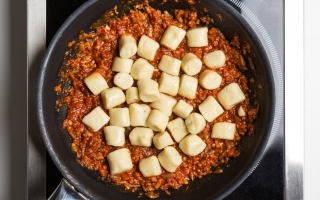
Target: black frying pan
{"x":212,"y":186}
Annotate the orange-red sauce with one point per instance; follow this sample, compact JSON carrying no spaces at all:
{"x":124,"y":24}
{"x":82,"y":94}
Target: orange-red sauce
{"x":95,"y":52}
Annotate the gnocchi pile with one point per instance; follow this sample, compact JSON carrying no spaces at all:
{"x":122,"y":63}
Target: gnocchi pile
{"x":151,"y":103}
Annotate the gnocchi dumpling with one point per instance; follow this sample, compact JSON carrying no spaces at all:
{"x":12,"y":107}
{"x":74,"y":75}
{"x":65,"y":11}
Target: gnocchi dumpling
{"x":147,"y":47}
{"x":112,"y":97}
{"x":161,"y":140}
{"x":177,"y":129}
{"x":188,"y":86}
{"x":172,"y":37}
{"x":119,"y":117}
{"x":215,"y":59}
{"x":210,"y":80}
{"x":119,"y":161}
{"x":123,"y":80}
{"x":210,"y":109}
{"x":195,"y":123}
{"x":230,"y":96}
{"x":170,"y":65}
{"x":157,"y":120}
{"x":122,"y":65}
{"x":141,"y":136}
{"x":170,"y":159}
{"x":132,"y":95}
{"x":223,"y":130}
{"x":141,"y":68}
{"x":96,"y":83}
{"x":96,"y":119}
{"x":114,"y":135}
{"x":148,"y":90}
{"x":150,"y":166}
{"x":241,"y":111}
{"x":139,"y":114}
{"x":192,"y":145}
{"x":169,"y":84}
{"x":182,"y":109}
{"x":127,"y":46}
{"x":165,"y":104}
{"x":191,"y":64}
{"x":197,"y":37}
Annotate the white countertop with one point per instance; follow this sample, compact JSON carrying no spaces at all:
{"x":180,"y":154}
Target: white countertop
{"x":312,"y":98}
{"x":13,"y":101}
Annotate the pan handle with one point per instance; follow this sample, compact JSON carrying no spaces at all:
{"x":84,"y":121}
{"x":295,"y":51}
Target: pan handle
{"x":66,"y":191}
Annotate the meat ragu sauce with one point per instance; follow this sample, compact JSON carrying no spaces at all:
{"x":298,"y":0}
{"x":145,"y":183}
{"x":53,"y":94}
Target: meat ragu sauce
{"x":95,"y":52}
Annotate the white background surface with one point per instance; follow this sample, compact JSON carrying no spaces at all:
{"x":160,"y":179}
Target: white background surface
{"x":13,"y":101}
{"x":312,"y":98}
{"x":13,"y":140}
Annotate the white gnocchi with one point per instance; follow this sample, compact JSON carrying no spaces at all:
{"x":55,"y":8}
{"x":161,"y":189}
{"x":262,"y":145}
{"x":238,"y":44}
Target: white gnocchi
{"x":127,"y":46}
{"x":132,"y":95}
{"x":177,"y":129}
{"x":96,"y":119}
{"x":114,"y":135}
{"x":157,"y":120}
{"x":148,"y":90}
{"x":147,"y":47}
{"x":192,"y":145}
{"x":141,"y":136}
{"x":150,"y":166}
{"x":96,"y":83}
{"x":209,"y":79}
{"x":230,"y":96}
{"x":241,"y":111}
{"x":119,"y":117}
{"x":139,"y":114}
{"x":188,"y":86}
{"x":170,"y":159}
{"x":170,"y":65}
{"x":195,"y":123}
{"x":197,"y":37}
{"x":215,"y":59}
{"x":119,"y":161}
{"x":191,"y":64}
{"x":123,"y":80}
{"x":112,"y":97}
{"x":223,"y":130}
{"x":141,"y":68}
{"x":182,"y":109}
{"x":150,"y":103}
{"x":165,"y":104}
{"x":122,"y":65}
{"x":162,"y":140}
{"x":172,"y":37}
{"x":210,"y":109}
{"x":169,"y":84}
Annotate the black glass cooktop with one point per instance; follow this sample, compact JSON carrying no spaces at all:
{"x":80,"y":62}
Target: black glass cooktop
{"x":267,"y":181}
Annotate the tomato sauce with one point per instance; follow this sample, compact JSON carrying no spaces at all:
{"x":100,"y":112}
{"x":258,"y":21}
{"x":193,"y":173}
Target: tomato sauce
{"x":95,"y":52}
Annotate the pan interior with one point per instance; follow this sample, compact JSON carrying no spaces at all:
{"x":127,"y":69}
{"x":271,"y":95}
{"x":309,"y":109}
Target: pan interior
{"x":210,"y":186}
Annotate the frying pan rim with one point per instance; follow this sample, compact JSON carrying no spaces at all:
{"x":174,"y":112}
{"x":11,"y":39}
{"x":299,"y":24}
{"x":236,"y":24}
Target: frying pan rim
{"x":58,"y":160}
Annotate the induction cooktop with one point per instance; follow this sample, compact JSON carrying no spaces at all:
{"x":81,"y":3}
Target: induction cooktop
{"x":266,"y":18}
